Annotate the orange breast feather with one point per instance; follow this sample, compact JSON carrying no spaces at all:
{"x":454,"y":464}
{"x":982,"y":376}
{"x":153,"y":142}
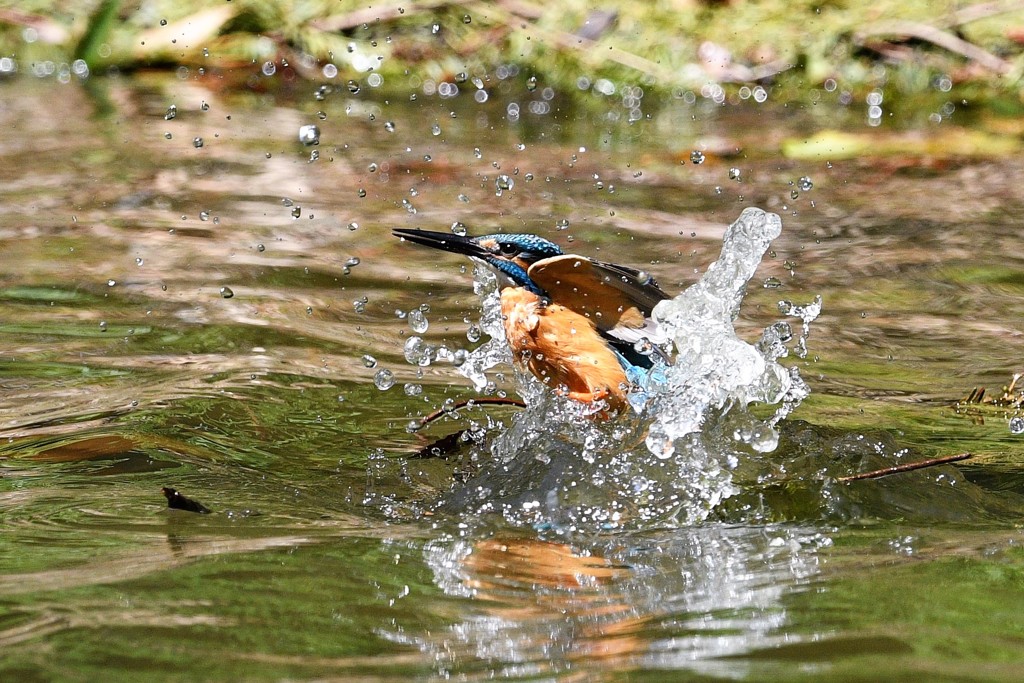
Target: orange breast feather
{"x":562,"y":348}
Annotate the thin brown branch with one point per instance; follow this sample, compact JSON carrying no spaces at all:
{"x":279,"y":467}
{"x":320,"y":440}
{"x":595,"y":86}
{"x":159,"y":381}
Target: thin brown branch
{"x":936,"y":36}
{"x":906,"y":467}
{"x":982,"y":10}
{"x":385,"y":13}
{"x":471,"y":401}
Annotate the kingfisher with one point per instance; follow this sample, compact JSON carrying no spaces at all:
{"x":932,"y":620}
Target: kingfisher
{"x":579,"y":325}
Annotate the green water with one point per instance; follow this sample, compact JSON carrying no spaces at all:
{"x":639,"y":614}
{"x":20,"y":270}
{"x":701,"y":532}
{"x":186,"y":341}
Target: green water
{"x":331,"y":553}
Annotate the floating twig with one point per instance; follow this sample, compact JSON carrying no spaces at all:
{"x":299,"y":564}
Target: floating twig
{"x":1012,"y":396}
{"x":906,"y":467}
{"x":470,"y":401}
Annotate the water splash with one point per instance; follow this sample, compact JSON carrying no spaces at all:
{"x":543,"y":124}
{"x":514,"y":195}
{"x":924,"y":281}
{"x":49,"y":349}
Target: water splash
{"x":714,"y":368}
{"x":672,"y":459}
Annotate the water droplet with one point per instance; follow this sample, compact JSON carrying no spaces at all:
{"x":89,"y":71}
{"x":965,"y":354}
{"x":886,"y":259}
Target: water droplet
{"x":226,"y":292}
{"x":474,"y":333}
{"x":734,"y":174}
{"x":435,"y":130}
{"x":362,"y":192}
{"x":353,"y":87}
{"x":309,"y":135}
{"x":163,"y":22}
{"x":103,"y":326}
{"x":562,"y":224}
{"x":459,"y":228}
{"x":384,"y":379}
{"x":168,"y":136}
{"x":204,"y":215}
{"x":353,"y":226}
{"x":643,"y":346}
{"x":772,"y":283}
{"x":467,"y":19}
{"x":417,"y":321}
{"x":269,"y":68}
{"x":531,"y":84}
{"x":139,"y":261}
{"x":435,"y":29}
{"x":804,"y":184}
{"x":111,"y":282}
{"x":413,"y":389}
{"x":369,"y":361}
{"x":502,"y":183}
{"x":389,"y":126}
{"x":172,"y":111}
{"x":360,"y":304}
{"x":477,"y":153}
{"x":697,"y":157}
{"x":260,"y":248}
{"x":296,"y":212}
{"x":197,"y":142}
{"x":204,"y":106}
{"x":352,"y":262}
{"x":1017,"y":425}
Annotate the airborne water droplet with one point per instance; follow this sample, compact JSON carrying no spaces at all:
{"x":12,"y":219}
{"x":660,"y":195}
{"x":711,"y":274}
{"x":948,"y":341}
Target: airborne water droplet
{"x":1017,"y":425}
{"x":172,"y":111}
{"x":384,"y":379}
{"x":226,"y":292}
{"x":697,"y":157}
{"x":502,"y":183}
{"x":417,"y":321}
{"x":309,"y":135}
{"x":197,"y":142}
{"x":369,"y":361}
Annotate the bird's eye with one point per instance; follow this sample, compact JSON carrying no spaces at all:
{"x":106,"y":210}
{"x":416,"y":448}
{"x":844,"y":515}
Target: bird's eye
{"x":508,"y":249}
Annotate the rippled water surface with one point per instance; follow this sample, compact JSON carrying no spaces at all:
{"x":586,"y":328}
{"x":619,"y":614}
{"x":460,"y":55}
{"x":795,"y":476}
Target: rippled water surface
{"x":221,"y":318}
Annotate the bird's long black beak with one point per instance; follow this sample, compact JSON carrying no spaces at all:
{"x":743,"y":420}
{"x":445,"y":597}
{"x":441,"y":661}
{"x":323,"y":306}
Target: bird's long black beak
{"x":446,"y":241}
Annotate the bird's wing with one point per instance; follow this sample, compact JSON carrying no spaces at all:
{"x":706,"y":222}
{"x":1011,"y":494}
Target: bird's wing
{"x":617,"y":298}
